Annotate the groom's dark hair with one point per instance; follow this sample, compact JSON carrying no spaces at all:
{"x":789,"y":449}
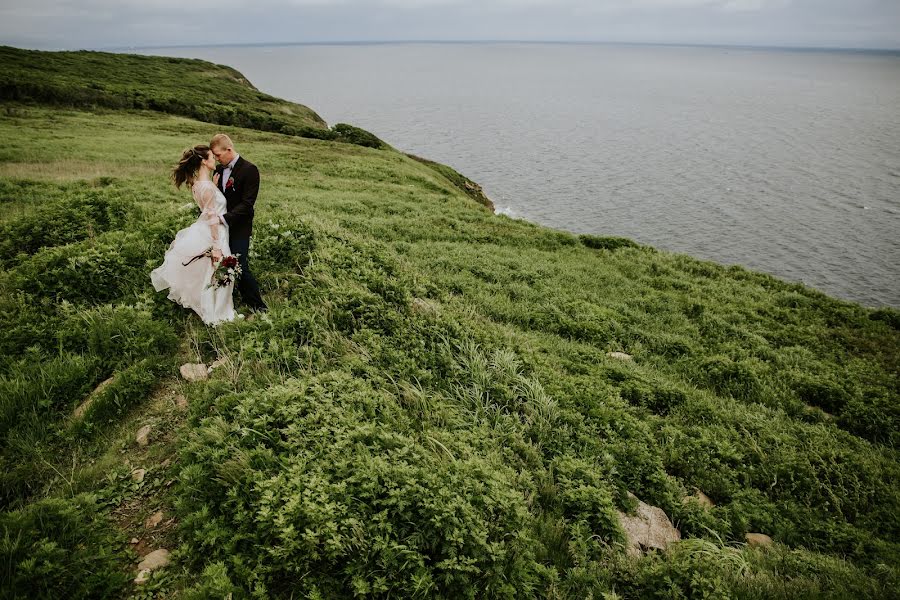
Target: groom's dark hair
{"x":187,"y":167}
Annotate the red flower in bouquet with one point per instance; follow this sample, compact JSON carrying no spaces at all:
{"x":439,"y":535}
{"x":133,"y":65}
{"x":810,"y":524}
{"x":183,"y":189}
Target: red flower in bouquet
{"x":227,"y":271}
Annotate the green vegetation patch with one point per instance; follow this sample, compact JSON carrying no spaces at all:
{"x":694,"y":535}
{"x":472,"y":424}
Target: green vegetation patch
{"x":178,"y":86}
{"x":441,"y":402}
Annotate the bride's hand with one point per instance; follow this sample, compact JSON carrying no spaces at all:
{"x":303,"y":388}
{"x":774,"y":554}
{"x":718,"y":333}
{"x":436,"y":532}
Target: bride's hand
{"x":216,"y":179}
{"x":216,"y":256}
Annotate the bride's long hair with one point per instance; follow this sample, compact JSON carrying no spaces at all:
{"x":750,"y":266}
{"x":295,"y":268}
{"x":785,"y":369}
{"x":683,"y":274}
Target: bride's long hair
{"x":186,"y":169}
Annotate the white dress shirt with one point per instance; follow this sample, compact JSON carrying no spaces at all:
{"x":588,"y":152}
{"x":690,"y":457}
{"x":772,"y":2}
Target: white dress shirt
{"x":226,"y":172}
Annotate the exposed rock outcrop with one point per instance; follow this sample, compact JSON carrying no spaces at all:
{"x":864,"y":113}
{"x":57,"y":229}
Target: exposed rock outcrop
{"x":648,"y":528}
{"x":194,"y":371}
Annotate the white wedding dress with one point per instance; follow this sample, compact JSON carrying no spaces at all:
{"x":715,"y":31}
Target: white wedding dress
{"x":188,"y":284}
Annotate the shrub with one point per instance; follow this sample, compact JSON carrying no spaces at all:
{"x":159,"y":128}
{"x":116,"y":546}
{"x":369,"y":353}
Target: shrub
{"x":355,"y":135}
{"x":823,"y":390}
{"x":890,"y":316}
{"x":26,"y":322}
{"x":586,"y":496}
{"x":739,"y":379}
{"x":597,"y":242}
{"x":126,"y":389}
{"x":37,"y":390}
{"x":689,"y":569}
{"x":660,"y":399}
{"x":117,"y":335}
{"x":60,"y":549}
{"x":89,"y":272}
{"x":71,"y":219}
{"x":285,"y":246}
{"x":306,"y":489}
{"x":32,"y":399}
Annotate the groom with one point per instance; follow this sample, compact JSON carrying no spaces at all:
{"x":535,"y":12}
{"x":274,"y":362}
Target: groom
{"x":238,"y":179}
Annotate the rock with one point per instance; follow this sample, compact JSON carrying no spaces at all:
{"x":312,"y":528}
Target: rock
{"x":702,"y":499}
{"x":134,"y":541}
{"x":649,"y":528}
{"x":620,"y":356}
{"x":758,"y":539}
{"x":194,"y":371}
{"x":142,"y":577}
{"x":142,"y":436}
{"x":181,"y":402}
{"x":154,"y":520}
{"x":138,"y":474}
{"x":219,"y":362}
{"x":84,"y":406}
{"x":155,"y":560}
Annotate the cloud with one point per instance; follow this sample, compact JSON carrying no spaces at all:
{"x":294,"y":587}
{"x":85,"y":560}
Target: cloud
{"x":117,"y":23}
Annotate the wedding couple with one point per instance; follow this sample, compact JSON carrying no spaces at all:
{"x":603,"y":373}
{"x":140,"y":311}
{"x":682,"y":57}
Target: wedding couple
{"x":225,"y":194}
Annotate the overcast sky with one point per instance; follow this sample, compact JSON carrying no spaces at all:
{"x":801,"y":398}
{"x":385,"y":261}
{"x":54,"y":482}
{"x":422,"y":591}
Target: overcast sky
{"x":102,"y":24}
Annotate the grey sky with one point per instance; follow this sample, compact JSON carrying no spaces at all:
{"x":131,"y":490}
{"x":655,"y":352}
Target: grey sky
{"x":123,"y":23}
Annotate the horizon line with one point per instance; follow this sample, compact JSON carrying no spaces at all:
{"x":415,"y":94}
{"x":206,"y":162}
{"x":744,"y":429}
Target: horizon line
{"x":808,"y":48}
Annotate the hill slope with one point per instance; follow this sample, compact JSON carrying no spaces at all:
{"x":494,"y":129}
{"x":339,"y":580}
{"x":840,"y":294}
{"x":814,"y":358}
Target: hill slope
{"x":430,"y":408}
{"x":179,"y":86}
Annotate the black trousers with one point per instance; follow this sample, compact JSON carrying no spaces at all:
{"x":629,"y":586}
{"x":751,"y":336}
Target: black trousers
{"x":246,"y":283}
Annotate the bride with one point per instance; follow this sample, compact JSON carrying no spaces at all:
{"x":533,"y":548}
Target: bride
{"x":186,"y":273}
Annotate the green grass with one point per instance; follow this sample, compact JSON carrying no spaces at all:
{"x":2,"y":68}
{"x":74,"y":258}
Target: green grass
{"x":429,"y":410}
{"x":179,"y":86}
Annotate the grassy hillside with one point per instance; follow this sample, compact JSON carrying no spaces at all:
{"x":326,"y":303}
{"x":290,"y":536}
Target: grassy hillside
{"x":429,"y":409}
{"x":178,"y":86}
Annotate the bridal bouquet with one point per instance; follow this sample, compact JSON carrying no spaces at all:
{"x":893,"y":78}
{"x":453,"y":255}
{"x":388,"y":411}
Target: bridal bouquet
{"x":227,"y":271}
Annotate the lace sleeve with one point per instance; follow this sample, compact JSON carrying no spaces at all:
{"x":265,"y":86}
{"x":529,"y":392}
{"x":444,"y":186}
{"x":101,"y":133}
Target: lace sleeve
{"x":207,"y":201}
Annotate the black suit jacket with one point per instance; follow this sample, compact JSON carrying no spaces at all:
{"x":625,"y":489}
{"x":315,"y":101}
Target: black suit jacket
{"x":240,"y":197}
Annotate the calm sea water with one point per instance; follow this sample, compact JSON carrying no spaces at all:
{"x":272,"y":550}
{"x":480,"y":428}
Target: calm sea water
{"x":786,"y":162}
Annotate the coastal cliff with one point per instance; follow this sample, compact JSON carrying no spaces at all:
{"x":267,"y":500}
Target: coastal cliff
{"x":442,"y":402}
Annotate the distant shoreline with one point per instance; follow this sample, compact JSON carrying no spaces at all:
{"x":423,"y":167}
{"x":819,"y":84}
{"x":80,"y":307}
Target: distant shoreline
{"x":825,"y":49}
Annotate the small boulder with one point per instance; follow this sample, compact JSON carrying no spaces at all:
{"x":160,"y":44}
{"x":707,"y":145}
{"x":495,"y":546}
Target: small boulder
{"x":701,"y":499}
{"x":155,"y":560}
{"x":134,"y":541}
{"x":143,"y":436}
{"x":154,"y":520}
{"x":758,"y":539}
{"x":194,"y":371}
{"x":648,"y":528}
{"x":620,"y":356}
{"x":138,"y":475}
